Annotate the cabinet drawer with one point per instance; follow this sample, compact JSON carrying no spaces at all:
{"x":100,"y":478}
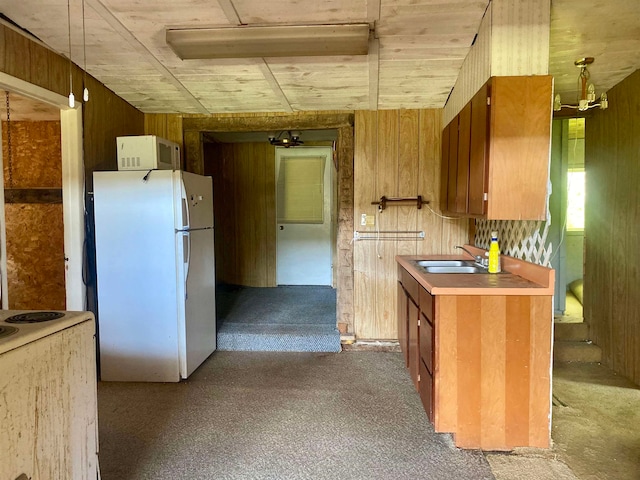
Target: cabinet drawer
{"x":426,"y":390}
{"x":411,"y":285}
{"x":426,"y":343}
{"x":426,"y":304}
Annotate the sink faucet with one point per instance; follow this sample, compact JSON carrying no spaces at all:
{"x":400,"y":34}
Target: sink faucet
{"x":478,"y":258}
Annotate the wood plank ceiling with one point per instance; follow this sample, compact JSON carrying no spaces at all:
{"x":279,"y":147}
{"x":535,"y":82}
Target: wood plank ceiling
{"x":413,"y":61}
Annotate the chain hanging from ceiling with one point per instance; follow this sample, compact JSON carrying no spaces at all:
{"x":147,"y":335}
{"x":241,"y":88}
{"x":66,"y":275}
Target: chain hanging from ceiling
{"x":9,"y":148}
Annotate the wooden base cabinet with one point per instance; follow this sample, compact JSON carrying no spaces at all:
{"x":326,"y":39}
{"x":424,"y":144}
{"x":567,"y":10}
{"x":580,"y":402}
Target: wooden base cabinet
{"x":483,"y":366}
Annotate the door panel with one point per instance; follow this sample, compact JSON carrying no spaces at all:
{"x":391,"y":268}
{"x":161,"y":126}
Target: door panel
{"x":304,"y":239}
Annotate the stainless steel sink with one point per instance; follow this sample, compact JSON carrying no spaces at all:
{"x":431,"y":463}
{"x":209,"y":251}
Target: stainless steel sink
{"x":455,"y":269}
{"x":449,"y":266}
{"x":446,"y":263}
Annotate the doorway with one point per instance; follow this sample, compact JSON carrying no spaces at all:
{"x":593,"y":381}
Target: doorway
{"x":33,"y":220}
{"x":304,"y":212}
{"x":35,"y":99}
{"x":568,"y":214}
{"x":257,"y":311}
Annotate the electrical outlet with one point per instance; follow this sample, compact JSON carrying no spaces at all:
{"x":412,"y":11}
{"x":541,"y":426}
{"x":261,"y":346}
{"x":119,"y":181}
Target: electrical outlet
{"x":371,"y":220}
{"x":363,"y":219}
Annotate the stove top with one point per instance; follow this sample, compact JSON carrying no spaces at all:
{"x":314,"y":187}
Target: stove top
{"x":34,"y":317}
{"x":5,"y":331}
{"x":19,"y":327}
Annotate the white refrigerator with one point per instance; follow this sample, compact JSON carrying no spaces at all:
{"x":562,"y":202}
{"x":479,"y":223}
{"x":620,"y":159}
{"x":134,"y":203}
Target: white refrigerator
{"x":155,"y":274}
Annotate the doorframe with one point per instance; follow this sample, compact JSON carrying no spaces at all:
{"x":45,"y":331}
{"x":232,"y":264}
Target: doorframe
{"x":72,"y":190}
{"x":193,"y":127}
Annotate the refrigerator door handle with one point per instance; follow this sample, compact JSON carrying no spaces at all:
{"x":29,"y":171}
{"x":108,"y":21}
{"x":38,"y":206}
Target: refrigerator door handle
{"x":186,"y":259}
{"x":185,"y":207}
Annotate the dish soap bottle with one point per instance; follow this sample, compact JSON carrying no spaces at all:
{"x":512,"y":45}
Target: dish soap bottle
{"x":494,"y":254}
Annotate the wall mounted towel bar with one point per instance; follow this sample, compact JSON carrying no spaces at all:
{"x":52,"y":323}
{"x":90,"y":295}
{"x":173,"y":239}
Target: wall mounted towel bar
{"x":389,"y":235}
{"x":384,"y":202}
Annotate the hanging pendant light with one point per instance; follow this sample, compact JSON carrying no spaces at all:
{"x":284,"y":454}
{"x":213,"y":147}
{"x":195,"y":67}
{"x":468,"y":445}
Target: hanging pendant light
{"x":72,"y":100}
{"x":85,"y":91}
{"x":587,"y":97}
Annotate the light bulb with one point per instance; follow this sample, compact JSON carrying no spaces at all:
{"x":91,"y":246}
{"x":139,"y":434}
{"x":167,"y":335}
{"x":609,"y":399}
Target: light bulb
{"x":557,"y":103}
{"x":72,"y":101}
{"x":85,"y":94}
{"x":604,"y":101}
{"x":591,"y":93}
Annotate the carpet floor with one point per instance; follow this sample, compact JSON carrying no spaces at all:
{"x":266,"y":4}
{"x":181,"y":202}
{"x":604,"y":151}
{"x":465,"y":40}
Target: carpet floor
{"x":265,"y":415}
{"x":284,"y":318}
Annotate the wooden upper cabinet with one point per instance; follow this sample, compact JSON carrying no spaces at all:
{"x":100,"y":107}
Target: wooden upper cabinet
{"x":519,"y":147}
{"x":444,"y":170}
{"x":452,"y":168}
{"x":503,"y":136}
{"x":478,"y":154}
{"x":462,"y":177}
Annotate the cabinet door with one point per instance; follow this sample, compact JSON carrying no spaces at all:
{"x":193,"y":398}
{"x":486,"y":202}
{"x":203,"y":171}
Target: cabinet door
{"x":414,"y":347}
{"x":519,"y":138}
{"x":426,"y":390}
{"x":462,"y":176}
{"x":444,"y":169}
{"x":453,"y":166}
{"x":426,"y":343}
{"x":478,"y":152}
{"x":403,"y":326}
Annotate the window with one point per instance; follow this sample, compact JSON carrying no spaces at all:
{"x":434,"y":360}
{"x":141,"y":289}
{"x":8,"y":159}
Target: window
{"x":575,"y":200}
{"x":300,"y":196}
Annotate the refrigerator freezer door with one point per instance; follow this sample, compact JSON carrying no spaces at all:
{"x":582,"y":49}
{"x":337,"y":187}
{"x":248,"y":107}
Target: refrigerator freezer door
{"x":197,"y":200}
{"x":136,"y":271}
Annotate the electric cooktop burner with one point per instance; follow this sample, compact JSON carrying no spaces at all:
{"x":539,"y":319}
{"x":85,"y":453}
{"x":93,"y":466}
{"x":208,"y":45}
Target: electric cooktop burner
{"x":6,"y":331}
{"x":34,"y":317}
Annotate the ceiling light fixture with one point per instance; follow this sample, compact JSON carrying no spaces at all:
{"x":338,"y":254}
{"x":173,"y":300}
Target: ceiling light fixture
{"x":85,"y":91}
{"x":587,"y":96}
{"x":272,"y":41}
{"x":285,"y":139}
{"x":72,"y":100}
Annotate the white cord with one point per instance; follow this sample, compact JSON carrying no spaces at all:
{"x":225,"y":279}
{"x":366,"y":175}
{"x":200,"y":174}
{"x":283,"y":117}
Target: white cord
{"x":378,"y":210}
{"x":442,"y":216}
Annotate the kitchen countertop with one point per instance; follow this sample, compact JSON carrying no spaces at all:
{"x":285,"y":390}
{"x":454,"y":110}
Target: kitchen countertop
{"x":523,"y":278}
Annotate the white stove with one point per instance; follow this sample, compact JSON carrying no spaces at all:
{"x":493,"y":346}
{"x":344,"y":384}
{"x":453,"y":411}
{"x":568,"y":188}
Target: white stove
{"x":19,"y":327}
{"x":49,"y":395}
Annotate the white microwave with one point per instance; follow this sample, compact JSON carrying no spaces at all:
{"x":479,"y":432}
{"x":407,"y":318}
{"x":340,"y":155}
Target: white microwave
{"x":147,"y":152}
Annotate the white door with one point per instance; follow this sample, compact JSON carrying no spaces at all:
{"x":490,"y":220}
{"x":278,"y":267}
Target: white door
{"x":303,"y":197}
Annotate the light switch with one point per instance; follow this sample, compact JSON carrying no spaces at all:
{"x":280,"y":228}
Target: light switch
{"x":363,"y":219}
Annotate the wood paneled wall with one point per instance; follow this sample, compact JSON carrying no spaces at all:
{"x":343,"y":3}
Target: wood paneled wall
{"x":244,"y":211}
{"x":612,"y":163}
{"x":106,"y":115}
{"x":397,"y":154}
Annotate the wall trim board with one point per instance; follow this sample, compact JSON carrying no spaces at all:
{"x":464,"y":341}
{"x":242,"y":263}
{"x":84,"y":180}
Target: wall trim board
{"x":33,"y":195}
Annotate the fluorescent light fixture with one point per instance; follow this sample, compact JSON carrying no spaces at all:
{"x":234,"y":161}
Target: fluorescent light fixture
{"x":275,"y":41}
